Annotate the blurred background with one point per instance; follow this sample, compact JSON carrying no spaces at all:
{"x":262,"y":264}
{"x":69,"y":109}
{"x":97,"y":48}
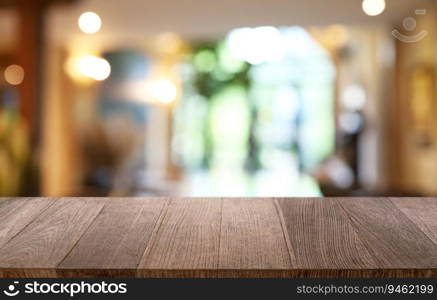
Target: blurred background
{"x":218,"y":98}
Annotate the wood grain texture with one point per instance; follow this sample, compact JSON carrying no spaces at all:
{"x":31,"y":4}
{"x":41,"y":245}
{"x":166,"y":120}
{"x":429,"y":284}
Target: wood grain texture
{"x":226,"y":237}
{"x":393,"y":239}
{"x":187,"y":238}
{"x":252,"y":237}
{"x":322,"y":236}
{"x":15,"y":214}
{"x":116,"y":241}
{"x":422,"y":211}
{"x":42,"y":245}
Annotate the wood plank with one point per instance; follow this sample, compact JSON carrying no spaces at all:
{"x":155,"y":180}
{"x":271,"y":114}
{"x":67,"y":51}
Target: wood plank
{"x":252,"y":237}
{"x":422,"y":211}
{"x":392,"y":238}
{"x":17,"y":213}
{"x":148,"y":237}
{"x":186,"y":240}
{"x":116,"y":241}
{"x":322,"y":236}
{"x":42,"y":245}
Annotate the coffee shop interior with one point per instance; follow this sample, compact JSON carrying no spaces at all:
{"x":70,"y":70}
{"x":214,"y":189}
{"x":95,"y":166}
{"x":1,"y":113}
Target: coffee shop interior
{"x":248,"y":98}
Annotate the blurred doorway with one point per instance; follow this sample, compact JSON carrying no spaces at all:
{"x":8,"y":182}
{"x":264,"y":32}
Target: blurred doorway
{"x":257,"y":117}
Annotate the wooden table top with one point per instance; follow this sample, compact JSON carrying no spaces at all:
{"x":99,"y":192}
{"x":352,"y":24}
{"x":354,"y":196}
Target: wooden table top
{"x":221,"y":237}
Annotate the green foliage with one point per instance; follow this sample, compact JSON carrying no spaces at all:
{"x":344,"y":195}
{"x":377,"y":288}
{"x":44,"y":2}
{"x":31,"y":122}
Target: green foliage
{"x":213,"y":71}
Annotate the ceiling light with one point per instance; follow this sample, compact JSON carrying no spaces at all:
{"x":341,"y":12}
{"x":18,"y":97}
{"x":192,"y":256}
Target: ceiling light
{"x":374,"y":7}
{"x":89,"y":22}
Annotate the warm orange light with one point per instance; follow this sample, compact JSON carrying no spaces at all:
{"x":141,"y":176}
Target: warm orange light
{"x":84,"y":68}
{"x":14,"y":74}
{"x":90,"y":22}
{"x":163,"y":90}
{"x":94,"y":67}
{"x":169,"y":43}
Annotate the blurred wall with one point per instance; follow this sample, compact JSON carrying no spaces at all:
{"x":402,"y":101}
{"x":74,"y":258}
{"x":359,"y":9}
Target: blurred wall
{"x":414,"y":160}
{"x":60,"y":153}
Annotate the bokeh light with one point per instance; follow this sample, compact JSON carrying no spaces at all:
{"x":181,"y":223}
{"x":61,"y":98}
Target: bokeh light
{"x":374,"y":7}
{"x":14,"y":74}
{"x":90,"y":22}
{"x":94,"y":67}
{"x":354,"y":97}
{"x":163,"y":90}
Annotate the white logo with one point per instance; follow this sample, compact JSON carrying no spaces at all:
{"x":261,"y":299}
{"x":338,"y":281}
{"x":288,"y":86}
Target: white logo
{"x":410,"y":24}
{"x":11,"y":290}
